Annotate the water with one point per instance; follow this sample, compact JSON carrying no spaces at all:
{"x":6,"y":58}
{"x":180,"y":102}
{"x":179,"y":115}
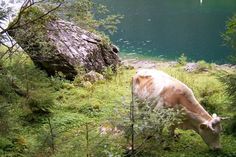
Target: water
{"x":168,"y":28}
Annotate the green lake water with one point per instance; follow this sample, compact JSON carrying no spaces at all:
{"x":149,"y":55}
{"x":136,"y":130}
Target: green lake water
{"x":168,"y":28}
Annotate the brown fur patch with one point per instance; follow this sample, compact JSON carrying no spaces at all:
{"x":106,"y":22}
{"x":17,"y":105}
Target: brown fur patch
{"x":145,"y":82}
{"x":170,"y":97}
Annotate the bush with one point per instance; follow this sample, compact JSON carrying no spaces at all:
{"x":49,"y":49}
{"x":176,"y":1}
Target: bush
{"x":147,"y":124}
{"x":5,"y":144}
{"x":229,"y":37}
{"x":56,"y":83}
{"x":39,"y":104}
{"x":182,"y":60}
{"x":203,"y":66}
{"x":91,"y":110}
{"x":108,"y":73}
{"x":153,"y":122}
{"x":230,"y":81}
{"x":231,"y":126}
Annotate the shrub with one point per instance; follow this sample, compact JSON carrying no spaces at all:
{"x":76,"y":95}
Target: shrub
{"x":230,"y":81}
{"x":91,"y":110}
{"x":203,"y":66}
{"x":182,"y":60}
{"x":145,"y":125}
{"x":229,"y":37}
{"x":231,"y":126}
{"x":80,"y":77}
{"x":39,"y":104}
{"x":108,"y":73}
{"x":152,"y":122}
{"x":5,"y":144}
{"x":56,"y":83}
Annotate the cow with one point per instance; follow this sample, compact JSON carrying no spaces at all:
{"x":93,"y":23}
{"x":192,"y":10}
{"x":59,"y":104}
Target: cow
{"x":162,"y":90}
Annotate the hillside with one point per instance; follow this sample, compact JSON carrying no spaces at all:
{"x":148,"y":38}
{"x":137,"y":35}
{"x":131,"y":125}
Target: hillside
{"x":57,"y":117}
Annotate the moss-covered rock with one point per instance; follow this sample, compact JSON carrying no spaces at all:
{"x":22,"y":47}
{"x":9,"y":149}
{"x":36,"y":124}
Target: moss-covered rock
{"x":59,"y":46}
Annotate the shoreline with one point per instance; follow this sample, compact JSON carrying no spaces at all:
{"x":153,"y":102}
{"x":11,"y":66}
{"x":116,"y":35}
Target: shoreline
{"x":138,"y":63}
{"x":126,"y":56}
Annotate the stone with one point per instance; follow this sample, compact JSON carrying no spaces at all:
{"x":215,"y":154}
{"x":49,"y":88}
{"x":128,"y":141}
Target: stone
{"x":86,"y":84}
{"x":191,"y":67}
{"x":67,"y":45}
{"x":93,"y":77}
{"x":173,"y":63}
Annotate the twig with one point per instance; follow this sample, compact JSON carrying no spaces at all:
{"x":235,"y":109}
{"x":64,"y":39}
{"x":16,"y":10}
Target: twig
{"x":52,"y":136}
{"x":38,"y":18}
{"x":132,"y":119}
{"x":22,"y":9}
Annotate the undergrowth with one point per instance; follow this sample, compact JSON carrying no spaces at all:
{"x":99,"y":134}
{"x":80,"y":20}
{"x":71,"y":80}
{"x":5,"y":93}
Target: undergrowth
{"x":57,"y":117}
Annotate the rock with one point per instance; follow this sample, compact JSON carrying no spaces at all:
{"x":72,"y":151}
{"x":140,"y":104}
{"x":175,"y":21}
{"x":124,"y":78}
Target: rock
{"x":126,"y":65}
{"x":61,"y":46}
{"x":225,"y":67}
{"x":86,"y":84}
{"x":173,"y":63}
{"x":93,"y":77}
{"x":191,"y":67}
{"x":233,"y":66}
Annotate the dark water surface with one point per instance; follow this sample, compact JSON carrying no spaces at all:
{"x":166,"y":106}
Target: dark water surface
{"x":168,"y":28}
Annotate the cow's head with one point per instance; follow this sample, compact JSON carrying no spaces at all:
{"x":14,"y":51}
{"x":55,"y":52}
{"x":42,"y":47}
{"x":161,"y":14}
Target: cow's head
{"x":210,"y":132}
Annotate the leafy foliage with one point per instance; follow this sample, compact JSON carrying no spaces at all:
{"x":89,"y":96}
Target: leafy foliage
{"x":203,"y":66}
{"x":230,"y":79}
{"x":142,"y":125}
{"x":90,"y":15}
{"x":182,"y":60}
{"x":230,"y":34}
{"x":108,"y":73}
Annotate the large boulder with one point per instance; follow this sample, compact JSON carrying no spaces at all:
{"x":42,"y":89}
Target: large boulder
{"x":60,"y":46}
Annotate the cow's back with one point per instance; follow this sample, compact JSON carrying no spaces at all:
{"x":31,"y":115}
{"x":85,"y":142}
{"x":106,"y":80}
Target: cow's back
{"x":157,"y":86}
{"x":160,"y":89}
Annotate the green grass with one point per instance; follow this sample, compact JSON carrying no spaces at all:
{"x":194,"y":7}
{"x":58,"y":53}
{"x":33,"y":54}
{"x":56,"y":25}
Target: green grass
{"x":75,"y":106}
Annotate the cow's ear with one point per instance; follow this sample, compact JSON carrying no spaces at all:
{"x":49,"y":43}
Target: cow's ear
{"x":203,"y":126}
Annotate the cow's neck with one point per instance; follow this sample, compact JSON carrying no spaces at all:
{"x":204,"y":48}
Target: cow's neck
{"x":195,"y":113}
{"x":192,"y":105}
{"x":192,"y":121}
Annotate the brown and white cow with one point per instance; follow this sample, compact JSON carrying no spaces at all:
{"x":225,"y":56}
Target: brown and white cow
{"x":162,"y":90}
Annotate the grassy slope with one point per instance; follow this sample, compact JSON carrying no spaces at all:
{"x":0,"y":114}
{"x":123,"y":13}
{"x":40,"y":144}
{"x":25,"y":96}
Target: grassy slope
{"x":109,"y":94}
{"x":76,"y":106}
